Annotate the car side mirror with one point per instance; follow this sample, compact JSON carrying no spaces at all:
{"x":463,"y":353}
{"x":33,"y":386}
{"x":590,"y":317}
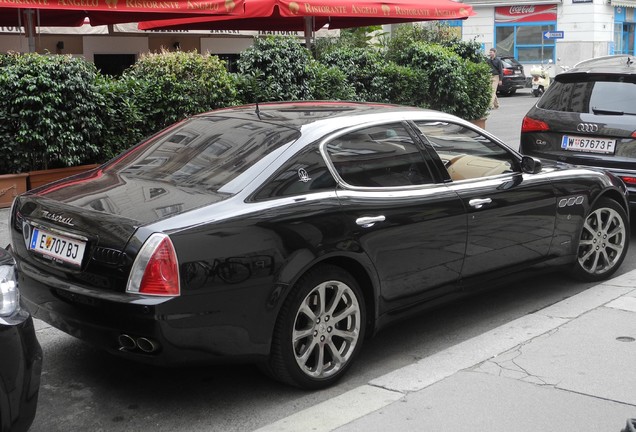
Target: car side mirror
{"x":530,"y":165}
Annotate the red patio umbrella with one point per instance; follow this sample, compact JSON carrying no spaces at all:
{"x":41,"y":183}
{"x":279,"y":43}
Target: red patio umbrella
{"x":288,"y":15}
{"x":102,"y":12}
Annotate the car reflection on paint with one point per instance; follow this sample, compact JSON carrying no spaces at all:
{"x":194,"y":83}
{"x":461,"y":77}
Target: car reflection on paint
{"x":285,"y":234}
{"x":20,"y":355}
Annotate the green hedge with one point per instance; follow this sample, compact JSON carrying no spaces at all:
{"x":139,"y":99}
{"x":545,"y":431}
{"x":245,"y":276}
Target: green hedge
{"x":60,"y":111}
{"x":171,"y":86}
{"x":48,"y":107}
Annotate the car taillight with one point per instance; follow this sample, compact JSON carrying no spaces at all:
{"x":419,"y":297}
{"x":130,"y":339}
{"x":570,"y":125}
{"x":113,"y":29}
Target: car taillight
{"x":629,"y":180}
{"x":634,"y":134}
{"x":508,"y":72}
{"x":531,"y":125}
{"x":156,"y":269}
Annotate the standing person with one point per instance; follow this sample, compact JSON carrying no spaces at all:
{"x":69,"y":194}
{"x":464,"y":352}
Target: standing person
{"x":496,"y":69}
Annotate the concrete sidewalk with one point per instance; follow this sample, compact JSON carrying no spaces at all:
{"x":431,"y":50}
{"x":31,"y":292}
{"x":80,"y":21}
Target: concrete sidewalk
{"x":568,"y":367}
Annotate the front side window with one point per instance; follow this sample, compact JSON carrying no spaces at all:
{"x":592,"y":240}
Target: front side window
{"x":466,"y":153}
{"x":379,"y":156}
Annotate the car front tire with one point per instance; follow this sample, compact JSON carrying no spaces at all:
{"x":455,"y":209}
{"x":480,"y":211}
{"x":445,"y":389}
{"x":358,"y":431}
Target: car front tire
{"x":319,"y":331}
{"x":603,"y":242}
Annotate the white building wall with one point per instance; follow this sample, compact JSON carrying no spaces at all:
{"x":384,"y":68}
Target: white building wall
{"x":480,"y":27}
{"x":226,"y":45}
{"x":588,"y":29}
{"x":114,"y":45}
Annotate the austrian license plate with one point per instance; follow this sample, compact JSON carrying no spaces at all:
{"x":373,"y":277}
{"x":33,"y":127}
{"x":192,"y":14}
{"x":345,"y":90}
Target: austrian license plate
{"x":589,"y":145}
{"x":58,"y":247}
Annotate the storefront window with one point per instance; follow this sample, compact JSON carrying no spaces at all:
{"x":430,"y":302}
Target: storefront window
{"x":519,"y":32}
{"x":624,"y":30}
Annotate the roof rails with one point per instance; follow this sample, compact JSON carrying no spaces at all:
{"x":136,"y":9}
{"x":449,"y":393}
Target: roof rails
{"x":610,"y":60}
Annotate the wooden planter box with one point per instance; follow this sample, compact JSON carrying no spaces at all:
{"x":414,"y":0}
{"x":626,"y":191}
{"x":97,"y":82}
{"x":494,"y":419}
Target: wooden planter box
{"x":11,"y":185}
{"x":479,"y":122}
{"x":42,"y":177}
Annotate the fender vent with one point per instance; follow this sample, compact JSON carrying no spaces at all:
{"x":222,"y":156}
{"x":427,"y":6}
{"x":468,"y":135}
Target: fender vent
{"x":108,"y":256}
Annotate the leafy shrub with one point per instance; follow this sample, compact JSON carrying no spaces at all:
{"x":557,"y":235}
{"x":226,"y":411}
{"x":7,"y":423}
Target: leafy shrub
{"x":330,"y":83}
{"x":455,"y":85}
{"x":170,"y":86}
{"x":47,"y":112}
{"x":124,"y":124}
{"x":432,"y":33}
{"x":401,"y":85}
{"x":275,"y":68}
{"x":361,"y":66}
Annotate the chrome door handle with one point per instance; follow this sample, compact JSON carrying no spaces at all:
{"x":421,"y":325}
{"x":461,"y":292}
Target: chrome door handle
{"x":369,"y":221}
{"x":479,"y":202}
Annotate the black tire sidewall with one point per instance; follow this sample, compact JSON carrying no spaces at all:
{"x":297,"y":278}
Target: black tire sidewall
{"x":577,"y":271}
{"x":282,"y":351}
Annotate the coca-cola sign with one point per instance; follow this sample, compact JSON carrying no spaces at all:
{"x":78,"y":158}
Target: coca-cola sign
{"x":525,"y":13}
{"x":515,"y":10}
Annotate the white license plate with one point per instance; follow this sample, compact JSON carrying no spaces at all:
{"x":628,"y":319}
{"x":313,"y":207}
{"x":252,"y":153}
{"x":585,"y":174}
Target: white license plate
{"x":58,"y":247}
{"x":589,"y":145}
{"x":535,"y":86}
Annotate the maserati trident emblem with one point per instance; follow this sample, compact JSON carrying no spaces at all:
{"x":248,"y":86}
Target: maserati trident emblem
{"x":66,"y":220}
{"x":303,"y":175}
{"x":587,"y":127}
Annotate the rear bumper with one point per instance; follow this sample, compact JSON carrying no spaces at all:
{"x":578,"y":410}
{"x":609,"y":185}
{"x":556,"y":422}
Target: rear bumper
{"x":512,"y":84}
{"x":20,"y":369}
{"x":179,"y":332}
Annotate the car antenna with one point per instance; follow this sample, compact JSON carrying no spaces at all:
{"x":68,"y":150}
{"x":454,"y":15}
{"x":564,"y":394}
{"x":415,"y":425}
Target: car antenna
{"x":258,"y":111}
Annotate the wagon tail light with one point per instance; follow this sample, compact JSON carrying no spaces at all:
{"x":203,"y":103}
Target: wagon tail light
{"x":508,"y":72}
{"x":156,"y":269}
{"x":630,"y":180}
{"x":531,"y":125}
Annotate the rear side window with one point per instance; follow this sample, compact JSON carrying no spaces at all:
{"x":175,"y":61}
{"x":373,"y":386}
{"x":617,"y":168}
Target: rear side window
{"x":206,"y":152}
{"x":379,"y":156}
{"x":585,"y":94}
{"x":306,"y":173}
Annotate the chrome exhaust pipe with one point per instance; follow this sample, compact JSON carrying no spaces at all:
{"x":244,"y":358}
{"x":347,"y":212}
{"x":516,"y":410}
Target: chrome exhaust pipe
{"x":126,"y":342}
{"x":147,"y":345}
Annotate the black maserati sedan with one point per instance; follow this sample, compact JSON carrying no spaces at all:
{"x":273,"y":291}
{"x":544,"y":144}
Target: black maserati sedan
{"x":20,"y":354}
{"x":284,"y":234}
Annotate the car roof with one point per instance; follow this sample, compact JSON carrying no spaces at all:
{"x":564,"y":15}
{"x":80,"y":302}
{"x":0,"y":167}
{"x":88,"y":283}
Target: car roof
{"x":297,"y":114}
{"x":614,"y":64}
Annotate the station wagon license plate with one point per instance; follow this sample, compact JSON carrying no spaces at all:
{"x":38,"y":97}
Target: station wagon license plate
{"x":590,"y":145}
{"x":58,"y":247}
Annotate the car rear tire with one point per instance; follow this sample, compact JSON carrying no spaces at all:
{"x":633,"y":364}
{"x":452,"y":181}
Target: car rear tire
{"x":319,"y":331}
{"x":603,"y":241}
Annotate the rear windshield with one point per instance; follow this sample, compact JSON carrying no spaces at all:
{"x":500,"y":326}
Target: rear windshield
{"x":510,"y":63}
{"x":209,"y":152}
{"x":589,"y":93}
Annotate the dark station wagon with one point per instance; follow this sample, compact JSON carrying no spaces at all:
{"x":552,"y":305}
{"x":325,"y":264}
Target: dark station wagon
{"x":588,"y":117}
{"x":284,"y":234}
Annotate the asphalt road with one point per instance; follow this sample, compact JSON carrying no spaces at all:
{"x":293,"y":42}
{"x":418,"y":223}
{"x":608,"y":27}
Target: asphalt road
{"x":505,"y":122}
{"x":85,"y":389}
